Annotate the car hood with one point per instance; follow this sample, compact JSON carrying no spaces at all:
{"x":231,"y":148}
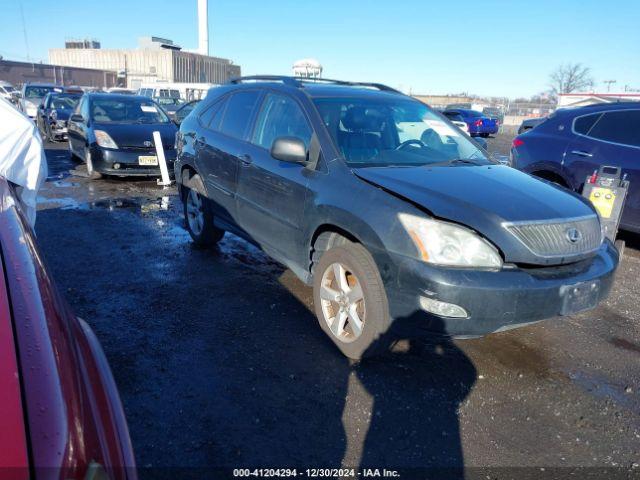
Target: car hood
{"x":134,"y":135}
{"x":483,"y":198}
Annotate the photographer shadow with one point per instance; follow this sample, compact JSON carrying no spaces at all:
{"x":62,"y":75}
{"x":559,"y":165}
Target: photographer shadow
{"x":416,"y":392}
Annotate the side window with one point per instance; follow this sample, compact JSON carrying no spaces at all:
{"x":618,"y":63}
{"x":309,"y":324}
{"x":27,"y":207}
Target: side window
{"x":238,"y":113}
{"x":583,"y":124}
{"x":280,"y":116}
{"x":79,"y":106}
{"x":211,"y":117}
{"x":85,"y":110}
{"x":622,"y":127}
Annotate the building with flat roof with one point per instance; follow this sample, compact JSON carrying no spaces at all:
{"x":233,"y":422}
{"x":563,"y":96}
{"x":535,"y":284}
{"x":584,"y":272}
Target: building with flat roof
{"x":580,"y":99}
{"x":19,"y":73}
{"x":155,"y":60}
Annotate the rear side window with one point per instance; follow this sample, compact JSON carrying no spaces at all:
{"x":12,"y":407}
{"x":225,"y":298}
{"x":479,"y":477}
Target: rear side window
{"x":622,"y":127}
{"x":583,"y":124}
{"x":280,"y":116}
{"x":212,"y":116}
{"x":237,"y":115}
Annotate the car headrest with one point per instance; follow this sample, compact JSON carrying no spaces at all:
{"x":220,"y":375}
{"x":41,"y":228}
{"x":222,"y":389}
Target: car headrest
{"x":357,"y":119}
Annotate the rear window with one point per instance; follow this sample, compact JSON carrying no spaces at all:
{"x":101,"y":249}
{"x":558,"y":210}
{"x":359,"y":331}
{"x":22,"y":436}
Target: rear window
{"x":37,"y":92}
{"x":238,"y":113}
{"x":583,"y":124}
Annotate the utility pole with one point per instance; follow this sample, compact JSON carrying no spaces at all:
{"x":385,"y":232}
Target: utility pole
{"x":608,"y":83}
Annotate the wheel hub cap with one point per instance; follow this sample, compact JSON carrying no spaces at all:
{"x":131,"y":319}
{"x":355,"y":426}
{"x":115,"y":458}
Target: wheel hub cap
{"x":342,"y":302}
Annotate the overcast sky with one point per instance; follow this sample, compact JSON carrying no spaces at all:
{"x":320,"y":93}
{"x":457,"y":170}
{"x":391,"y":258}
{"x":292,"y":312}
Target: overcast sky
{"x":501,"y":48}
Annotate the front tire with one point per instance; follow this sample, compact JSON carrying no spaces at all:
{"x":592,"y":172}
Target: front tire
{"x":198,"y":214}
{"x":350,"y":301}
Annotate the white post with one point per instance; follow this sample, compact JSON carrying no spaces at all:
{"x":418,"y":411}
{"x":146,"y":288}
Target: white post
{"x":164,"y":171}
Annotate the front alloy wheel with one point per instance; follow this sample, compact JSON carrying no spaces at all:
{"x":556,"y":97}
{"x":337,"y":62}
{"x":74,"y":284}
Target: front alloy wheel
{"x":342,"y":302}
{"x":350,"y":300}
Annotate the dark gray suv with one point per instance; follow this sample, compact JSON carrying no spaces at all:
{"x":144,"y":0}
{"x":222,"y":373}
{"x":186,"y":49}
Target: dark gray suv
{"x":399,"y":220}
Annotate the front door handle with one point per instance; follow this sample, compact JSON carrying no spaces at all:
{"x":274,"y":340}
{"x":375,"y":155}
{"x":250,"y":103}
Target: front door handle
{"x":245,"y":159}
{"x":582,"y":153}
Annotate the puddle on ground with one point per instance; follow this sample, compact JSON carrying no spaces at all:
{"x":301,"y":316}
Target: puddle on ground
{"x":601,"y":387}
{"x":63,"y":183}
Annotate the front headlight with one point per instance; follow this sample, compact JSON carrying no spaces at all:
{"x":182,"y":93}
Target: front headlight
{"x":104,"y":140}
{"x":443,"y":243}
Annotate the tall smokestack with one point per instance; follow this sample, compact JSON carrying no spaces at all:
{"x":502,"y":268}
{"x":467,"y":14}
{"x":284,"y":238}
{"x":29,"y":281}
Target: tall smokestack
{"x":203,"y":27}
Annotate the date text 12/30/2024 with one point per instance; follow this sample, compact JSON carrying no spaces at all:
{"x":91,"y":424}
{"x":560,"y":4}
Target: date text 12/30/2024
{"x":316,"y":472}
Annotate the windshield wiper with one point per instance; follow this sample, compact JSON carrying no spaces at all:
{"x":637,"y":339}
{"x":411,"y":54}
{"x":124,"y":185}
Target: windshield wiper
{"x":458,"y":161}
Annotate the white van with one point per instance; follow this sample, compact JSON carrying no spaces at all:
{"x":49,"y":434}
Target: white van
{"x":6,"y":91}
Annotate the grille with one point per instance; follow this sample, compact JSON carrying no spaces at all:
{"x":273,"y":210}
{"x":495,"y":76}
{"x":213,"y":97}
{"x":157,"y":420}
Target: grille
{"x":554,"y":238}
{"x":138,"y":148}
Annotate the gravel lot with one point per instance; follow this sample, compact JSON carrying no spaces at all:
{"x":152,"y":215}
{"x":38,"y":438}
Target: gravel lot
{"x":220,"y":361}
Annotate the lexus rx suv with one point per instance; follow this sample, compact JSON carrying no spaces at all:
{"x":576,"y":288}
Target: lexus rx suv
{"x":399,"y":221}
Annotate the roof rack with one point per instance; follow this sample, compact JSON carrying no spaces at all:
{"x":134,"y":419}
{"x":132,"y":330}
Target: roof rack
{"x":299,"y":82}
{"x":266,"y":78}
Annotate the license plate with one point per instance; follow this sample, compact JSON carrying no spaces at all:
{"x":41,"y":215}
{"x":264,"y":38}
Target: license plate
{"x":579,"y":297}
{"x":148,"y":160}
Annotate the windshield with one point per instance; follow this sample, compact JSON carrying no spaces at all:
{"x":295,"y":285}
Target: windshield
{"x":64,"y":102}
{"x":395,"y":132}
{"x":37,"y":92}
{"x":126,"y":110}
{"x":8,"y":88}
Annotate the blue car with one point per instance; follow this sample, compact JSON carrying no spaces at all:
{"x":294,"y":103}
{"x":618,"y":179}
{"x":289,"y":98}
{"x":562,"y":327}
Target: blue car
{"x":480,"y":125}
{"x":571,"y":144}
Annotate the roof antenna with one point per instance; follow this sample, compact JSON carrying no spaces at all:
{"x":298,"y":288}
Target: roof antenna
{"x":24,"y":30}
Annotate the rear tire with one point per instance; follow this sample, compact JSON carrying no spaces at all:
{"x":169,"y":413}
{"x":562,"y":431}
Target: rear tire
{"x":198,"y":214}
{"x":350,"y":301}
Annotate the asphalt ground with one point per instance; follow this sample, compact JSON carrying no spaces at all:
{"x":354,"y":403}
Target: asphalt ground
{"x":220,"y":361}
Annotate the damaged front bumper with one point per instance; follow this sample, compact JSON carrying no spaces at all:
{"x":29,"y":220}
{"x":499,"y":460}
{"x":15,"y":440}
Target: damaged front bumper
{"x":491,"y":301}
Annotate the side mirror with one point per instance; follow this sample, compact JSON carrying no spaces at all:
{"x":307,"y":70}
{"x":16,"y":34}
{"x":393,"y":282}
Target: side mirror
{"x":76,"y":117}
{"x":289,"y":149}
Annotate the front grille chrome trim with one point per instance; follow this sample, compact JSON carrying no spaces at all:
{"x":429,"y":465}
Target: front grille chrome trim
{"x":547,"y":238}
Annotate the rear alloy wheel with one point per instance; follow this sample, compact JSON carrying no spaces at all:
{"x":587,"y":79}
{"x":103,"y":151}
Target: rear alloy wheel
{"x":198,"y":215}
{"x":350,"y":301}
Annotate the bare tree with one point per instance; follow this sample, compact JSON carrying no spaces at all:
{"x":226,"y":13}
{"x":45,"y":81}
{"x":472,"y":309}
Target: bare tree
{"x":570,"y":77}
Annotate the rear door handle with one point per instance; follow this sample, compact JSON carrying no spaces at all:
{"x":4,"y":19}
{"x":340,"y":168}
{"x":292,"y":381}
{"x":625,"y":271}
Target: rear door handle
{"x":245,"y":159}
{"x":582,"y":153}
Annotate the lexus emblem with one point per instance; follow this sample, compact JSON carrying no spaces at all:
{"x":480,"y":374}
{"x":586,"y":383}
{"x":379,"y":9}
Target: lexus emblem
{"x":573,"y":235}
{"x":147,"y":143}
